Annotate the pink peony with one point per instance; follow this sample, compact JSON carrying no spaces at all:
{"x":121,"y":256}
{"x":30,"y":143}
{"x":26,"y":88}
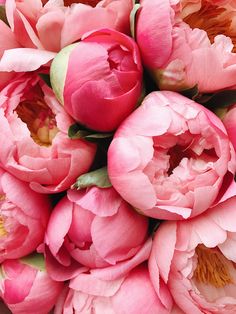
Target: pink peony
{"x":43,"y":30}
{"x":196,"y":259}
{"x":34,"y":142}
{"x":131,"y":294}
{"x":98,"y":230}
{"x":26,"y":288}
{"x":99,"y":79}
{"x":23,"y":217}
{"x":167,"y":154}
{"x":186,"y":43}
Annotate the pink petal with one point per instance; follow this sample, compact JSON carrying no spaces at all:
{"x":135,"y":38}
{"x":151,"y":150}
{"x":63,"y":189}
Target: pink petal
{"x":24,"y":59}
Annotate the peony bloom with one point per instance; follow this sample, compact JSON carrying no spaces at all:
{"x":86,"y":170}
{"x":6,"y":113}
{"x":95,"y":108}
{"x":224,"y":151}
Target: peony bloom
{"x":25,"y":287}
{"x":34,"y":143}
{"x":131,"y":294}
{"x":23,"y":217}
{"x":99,"y":79}
{"x":197,"y":260}
{"x":42,"y":30}
{"x":86,"y":218}
{"x":167,"y":154}
{"x":189,"y":42}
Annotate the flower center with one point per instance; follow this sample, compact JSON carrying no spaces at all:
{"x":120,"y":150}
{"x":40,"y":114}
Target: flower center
{"x":211,"y":267}
{"x":40,"y":121}
{"x":214,"y":20}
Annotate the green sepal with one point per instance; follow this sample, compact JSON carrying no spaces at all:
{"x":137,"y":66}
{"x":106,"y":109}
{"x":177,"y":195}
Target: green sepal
{"x":133,"y":15}
{"x":35,"y":260}
{"x":58,"y":71}
{"x":97,"y":178}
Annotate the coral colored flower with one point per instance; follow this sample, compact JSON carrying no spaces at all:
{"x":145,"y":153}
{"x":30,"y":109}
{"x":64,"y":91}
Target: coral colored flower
{"x":34,"y":143}
{"x":196,"y":259}
{"x":98,"y":230}
{"x":27,"y":288}
{"x":43,"y":30}
{"x":169,"y":153}
{"x":187,"y":42}
{"x":131,"y":294}
{"x":23,"y":217}
{"x":99,"y":79}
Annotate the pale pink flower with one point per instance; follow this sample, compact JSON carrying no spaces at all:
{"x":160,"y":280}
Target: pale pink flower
{"x":196,"y":259}
{"x":43,"y":30}
{"x":169,"y":153}
{"x":99,"y":79}
{"x":23,"y":217}
{"x":131,"y":294}
{"x":189,"y":42}
{"x":26,"y":288}
{"x":34,"y":143}
{"x":98,"y":230}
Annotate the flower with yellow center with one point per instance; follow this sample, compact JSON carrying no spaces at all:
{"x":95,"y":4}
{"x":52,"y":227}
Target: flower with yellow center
{"x":213,"y":19}
{"x":196,"y":259}
{"x":189,"y":43}
{"x":212,"y":268}
{"x":40,"y":120}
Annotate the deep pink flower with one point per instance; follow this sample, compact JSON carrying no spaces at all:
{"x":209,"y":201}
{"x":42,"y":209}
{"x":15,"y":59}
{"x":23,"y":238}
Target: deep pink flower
{"x":43,"y":30}
{"x":186,"y":43}
{"x":99,"y":79}
{"x":26,"y":288}
{"x":196,"y":259}
{"x":131,"y":294}
{"x":23,"y":217}
{"x":98,"y":230}
{"x":34,"y":143}
{"x":169,"y":153}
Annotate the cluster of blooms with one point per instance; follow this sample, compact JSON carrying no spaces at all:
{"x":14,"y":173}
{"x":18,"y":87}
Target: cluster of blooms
{"x":117,"y":160}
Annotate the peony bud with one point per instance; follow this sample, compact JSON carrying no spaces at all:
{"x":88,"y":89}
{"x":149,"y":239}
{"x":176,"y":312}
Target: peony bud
{"x":98,"y":80}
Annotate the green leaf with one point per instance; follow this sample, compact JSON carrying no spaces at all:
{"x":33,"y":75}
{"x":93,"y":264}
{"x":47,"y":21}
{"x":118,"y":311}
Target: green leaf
{"x":97,"y":178}
{"x":218,"y":100}
{"x":35,"y":260}
{"x":191,"y":93}
{"x":77,"y":131}
{"x":46,"y":79}
{"x":3,"y":15}
{"x":133,"y":15}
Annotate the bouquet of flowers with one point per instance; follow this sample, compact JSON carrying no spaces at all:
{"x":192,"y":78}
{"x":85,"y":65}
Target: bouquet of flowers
{"x":117,"y":156}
